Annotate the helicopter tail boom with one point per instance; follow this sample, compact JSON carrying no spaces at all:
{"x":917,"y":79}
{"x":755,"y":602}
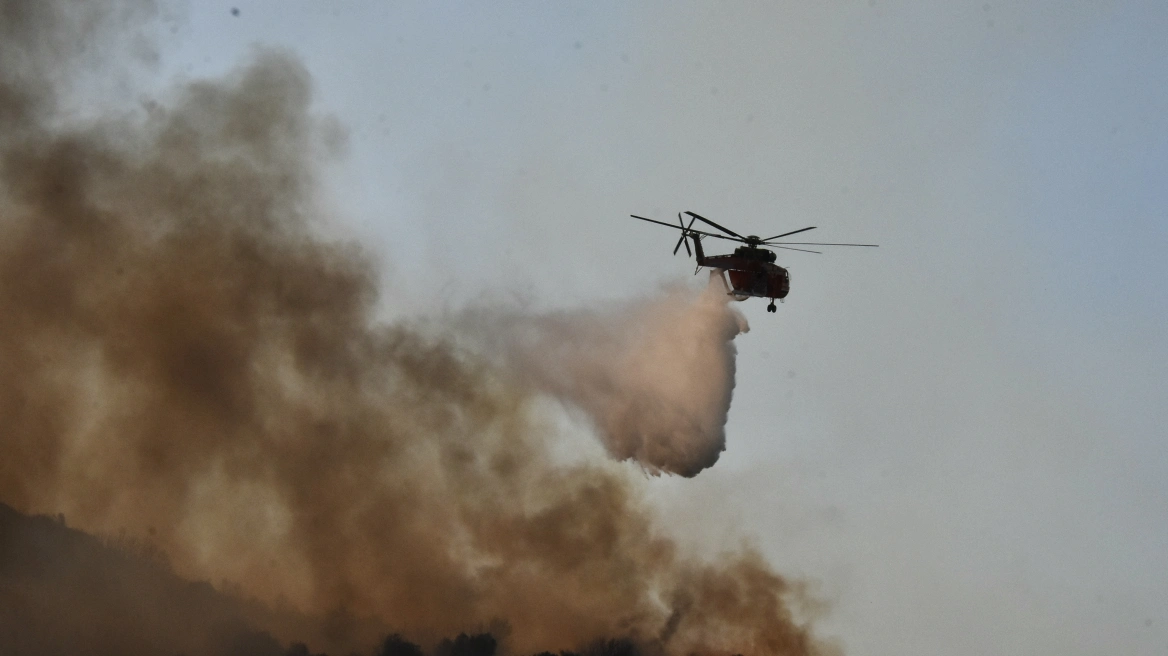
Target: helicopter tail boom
{"x":699,"y":254}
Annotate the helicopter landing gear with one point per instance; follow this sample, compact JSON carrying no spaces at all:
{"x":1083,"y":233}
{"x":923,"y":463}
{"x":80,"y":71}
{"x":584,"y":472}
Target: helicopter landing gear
{"x":771,"y":307}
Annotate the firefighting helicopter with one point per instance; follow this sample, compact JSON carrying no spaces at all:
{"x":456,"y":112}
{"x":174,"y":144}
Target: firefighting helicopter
{"x":752,"y":269}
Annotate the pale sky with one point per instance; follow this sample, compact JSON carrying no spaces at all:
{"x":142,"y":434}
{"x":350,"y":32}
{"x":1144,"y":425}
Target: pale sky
{"x":958,"y":437}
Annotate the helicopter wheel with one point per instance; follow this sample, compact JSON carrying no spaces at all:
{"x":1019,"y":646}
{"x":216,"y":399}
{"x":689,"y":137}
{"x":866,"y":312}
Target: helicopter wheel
{"x":771,"y":307}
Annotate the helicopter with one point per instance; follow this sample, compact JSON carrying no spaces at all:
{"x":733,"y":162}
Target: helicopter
{"x":752,"y":268}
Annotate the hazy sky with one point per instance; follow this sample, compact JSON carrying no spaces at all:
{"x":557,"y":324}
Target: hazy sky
{"x":959,"y":436}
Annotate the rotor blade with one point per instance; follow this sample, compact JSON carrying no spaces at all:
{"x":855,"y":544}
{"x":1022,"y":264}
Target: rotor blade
{"x":793,"y":232}
{"x":667,"y":225}
{"x":689,"y":230}
{"x":804,"y":250}
{"x":816,"y":243}
{"x":725,"y":230}
{"x":713,"y":234}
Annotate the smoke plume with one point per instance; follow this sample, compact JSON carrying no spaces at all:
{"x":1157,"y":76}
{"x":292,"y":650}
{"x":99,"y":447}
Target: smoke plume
{"x":184,"y":357}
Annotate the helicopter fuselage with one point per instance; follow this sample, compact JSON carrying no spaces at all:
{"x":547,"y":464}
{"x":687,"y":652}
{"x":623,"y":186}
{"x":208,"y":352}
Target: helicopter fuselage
{"x":752,"y":271}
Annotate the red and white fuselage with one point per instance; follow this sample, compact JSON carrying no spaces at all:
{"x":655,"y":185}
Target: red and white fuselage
{"x":751,"y":270}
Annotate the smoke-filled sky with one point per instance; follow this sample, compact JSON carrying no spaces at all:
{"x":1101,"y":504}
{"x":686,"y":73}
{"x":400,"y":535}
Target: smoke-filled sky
{"x":957,"y":437}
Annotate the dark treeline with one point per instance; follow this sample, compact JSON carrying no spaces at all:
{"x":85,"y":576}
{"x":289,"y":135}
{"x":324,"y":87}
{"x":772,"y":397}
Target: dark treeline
{"x":481,"y":644}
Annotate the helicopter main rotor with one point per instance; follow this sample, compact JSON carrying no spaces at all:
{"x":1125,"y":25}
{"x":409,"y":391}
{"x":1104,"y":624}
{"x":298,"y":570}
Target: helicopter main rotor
{"x":752,"y":241}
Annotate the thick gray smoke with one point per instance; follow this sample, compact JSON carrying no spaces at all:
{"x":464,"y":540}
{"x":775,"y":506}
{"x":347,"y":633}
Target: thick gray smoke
{"x":654,"y":376}
{"x":184,"y":357}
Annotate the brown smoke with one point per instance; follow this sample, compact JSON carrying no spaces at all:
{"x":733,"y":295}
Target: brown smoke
{"x":183,"y":356}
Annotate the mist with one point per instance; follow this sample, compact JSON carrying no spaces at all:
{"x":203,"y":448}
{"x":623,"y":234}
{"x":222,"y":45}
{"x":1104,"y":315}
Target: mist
{"x":654,"y":376}
{"x":186,"y":357}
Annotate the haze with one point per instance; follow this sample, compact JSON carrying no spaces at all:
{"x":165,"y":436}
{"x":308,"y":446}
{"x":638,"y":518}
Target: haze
{"x":957,"y":437}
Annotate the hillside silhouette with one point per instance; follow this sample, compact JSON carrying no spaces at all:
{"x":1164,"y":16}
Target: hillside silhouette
{"x":64,"y":591}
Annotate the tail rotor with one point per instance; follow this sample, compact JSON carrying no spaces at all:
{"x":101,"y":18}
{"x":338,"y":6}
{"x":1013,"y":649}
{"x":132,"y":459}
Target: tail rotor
{"x":684,"y":233}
